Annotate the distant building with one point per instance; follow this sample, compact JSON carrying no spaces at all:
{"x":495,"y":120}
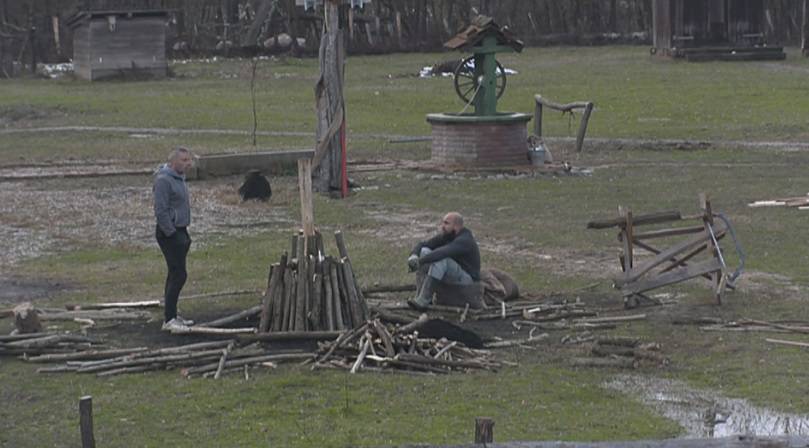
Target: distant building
{"x":119,"y":43}
{"x":713,"y":29}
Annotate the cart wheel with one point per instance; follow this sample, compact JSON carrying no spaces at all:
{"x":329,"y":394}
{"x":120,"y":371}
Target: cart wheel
{"x":466,"y":84}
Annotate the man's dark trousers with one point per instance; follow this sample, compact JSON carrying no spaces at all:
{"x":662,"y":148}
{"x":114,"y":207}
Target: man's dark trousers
{"x":175,"y":249}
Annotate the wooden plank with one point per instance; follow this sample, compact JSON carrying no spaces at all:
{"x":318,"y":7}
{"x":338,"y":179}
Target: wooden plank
{"x":667,"y":232}
{"x":639,"y":220}
{"x":588,"y":109}
{"x":674,"y":276}
{"x":634,"y":274}
{"x":305,"y":187}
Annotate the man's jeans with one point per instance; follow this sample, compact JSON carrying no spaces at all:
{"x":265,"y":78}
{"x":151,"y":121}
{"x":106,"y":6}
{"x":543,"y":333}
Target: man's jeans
{"x":175,"y":249}
{"x":447,"y":270}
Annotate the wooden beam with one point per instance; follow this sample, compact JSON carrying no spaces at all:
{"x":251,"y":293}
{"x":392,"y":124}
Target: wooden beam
{"x":651,"y":218}
{"x":674,"y":276}
{"x":634,"y":274}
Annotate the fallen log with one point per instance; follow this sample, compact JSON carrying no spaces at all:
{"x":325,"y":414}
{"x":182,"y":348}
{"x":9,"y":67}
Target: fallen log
{"x":113,"y":305}
{"x":215,"y":331}
{"x":21,"y":336}
{"x":245,"y":361}
{"x":512,"y":343}
{"x":110,"y":314}
{"x":292,"y":336}
{"x":250,"y":312}
{"x":205,"y":354}
{"x":86,"y":355}
{"x":222,"y":361}
{"x":792,"y":343}
{"x":48,"y":341}
{"x":602,"y":320}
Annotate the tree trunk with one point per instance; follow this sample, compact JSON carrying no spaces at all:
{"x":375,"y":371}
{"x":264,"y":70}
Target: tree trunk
{"x":327,"y":162}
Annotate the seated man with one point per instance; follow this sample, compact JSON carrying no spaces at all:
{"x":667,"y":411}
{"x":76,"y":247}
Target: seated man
{"x":451,"y":257}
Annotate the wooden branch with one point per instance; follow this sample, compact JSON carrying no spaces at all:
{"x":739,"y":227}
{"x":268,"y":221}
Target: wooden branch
{"x":440,"y":362}
{"x":222,"y":361}
{"x":214,"y":331}
{"x":361,"y":356}
{"x":414,"y":325}
{"x":112,"y":305}
{"x":512,"y":343}
{"x":292,"y":336}
{"x":241,"y":315}
{"x":107,"y":314}
{"x":585,"y":119}
{"x":267,"y":311}
{"x":569,"y":107}
{"x":246,"y":361}
{"x":792,"y":343}
{"x":86,"y":355}
{"x":603,"y":320}
{"x":385,"y":337}
{"x":339,"y":323}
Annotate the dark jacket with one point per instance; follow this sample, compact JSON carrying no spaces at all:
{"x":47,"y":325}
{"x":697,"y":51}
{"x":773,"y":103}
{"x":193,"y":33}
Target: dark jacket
{"x":461,"y":247}
{"x":171,"y":207}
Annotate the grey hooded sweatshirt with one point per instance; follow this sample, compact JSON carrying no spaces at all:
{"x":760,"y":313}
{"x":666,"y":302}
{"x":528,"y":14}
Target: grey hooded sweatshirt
{"x":171,"y":206}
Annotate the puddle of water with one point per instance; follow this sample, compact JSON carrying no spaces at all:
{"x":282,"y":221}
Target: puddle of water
{"x":705,"y":414}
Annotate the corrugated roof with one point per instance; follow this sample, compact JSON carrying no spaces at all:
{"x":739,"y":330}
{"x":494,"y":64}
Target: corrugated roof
{"x":481,"y":27}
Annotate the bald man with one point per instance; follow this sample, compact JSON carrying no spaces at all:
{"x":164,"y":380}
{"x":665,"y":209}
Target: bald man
{"x":451,"y":257}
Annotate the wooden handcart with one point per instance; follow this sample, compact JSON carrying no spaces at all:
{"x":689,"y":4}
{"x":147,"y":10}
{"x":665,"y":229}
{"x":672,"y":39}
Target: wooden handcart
{"x":699,"y":255}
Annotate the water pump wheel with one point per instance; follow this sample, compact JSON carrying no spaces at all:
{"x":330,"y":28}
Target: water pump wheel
{"x":466,"y":83}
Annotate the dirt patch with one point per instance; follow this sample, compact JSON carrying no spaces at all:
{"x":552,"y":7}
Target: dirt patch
{"x":26,"y":113}
{"x":38,"y":218}
{"x":769,"y":283}
{"x":16,"y":290}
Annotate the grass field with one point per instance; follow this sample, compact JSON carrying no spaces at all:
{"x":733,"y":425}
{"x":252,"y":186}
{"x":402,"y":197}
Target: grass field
{"x":533,"y":227}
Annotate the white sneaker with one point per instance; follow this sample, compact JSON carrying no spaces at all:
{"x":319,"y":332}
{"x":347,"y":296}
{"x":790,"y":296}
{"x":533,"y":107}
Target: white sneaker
{"x":174,"y":325}
{"x":184,"y":321}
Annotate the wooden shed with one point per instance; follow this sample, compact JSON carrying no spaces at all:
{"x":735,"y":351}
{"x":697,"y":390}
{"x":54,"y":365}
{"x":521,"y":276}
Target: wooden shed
{"x":713,"y":29}
{"x":119,"y":43}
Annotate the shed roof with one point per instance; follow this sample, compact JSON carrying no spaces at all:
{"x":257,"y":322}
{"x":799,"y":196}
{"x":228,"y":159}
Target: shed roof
{"x":481,"y":27}
{"x":79,"y":17}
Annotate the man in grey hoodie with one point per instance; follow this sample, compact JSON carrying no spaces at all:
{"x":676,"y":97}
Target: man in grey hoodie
{"x":173,"y":213}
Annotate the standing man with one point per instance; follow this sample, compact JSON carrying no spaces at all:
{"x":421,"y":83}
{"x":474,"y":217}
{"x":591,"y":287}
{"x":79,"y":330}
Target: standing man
{"x":173,"y":213}
{"x":451,"y":257}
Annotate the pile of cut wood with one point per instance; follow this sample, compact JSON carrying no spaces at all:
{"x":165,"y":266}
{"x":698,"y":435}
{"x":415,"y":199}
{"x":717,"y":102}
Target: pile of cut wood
{"x":621,"y":352}
{"x":313,"y":292}
{"x":376,"y":347}
{"x":205,"y":359}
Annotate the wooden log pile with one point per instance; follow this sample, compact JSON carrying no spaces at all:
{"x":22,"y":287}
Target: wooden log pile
{"x":377,"y":347}
{"x":311,"y":291}
{"x":203,"y":359}
{"x":621,"y":352}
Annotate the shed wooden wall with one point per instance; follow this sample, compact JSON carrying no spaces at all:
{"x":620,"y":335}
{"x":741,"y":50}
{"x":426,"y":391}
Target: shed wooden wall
{"x":136,"y":44}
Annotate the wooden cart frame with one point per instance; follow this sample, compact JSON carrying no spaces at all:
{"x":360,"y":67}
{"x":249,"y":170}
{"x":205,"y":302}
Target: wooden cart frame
{"x":682,"y":261}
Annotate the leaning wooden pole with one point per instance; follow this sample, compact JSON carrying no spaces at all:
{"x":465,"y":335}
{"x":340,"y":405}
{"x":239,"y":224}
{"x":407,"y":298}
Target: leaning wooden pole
{"x":805,"y":29}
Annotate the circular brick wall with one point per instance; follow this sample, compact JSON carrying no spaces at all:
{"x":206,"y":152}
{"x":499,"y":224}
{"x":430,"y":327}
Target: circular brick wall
{"x":478,"y":142}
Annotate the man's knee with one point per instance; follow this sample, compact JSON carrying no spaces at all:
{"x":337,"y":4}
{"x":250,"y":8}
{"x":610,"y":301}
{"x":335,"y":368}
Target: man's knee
{"x":424,"y":251}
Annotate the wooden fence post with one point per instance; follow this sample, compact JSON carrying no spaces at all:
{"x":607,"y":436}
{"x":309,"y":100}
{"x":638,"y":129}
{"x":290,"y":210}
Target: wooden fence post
{"x":484,"y":430}
{"x":86,"y":421}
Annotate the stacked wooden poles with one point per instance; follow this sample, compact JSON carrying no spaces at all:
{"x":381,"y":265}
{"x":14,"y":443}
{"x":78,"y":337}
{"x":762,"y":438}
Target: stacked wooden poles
{"x":312,"y":291}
